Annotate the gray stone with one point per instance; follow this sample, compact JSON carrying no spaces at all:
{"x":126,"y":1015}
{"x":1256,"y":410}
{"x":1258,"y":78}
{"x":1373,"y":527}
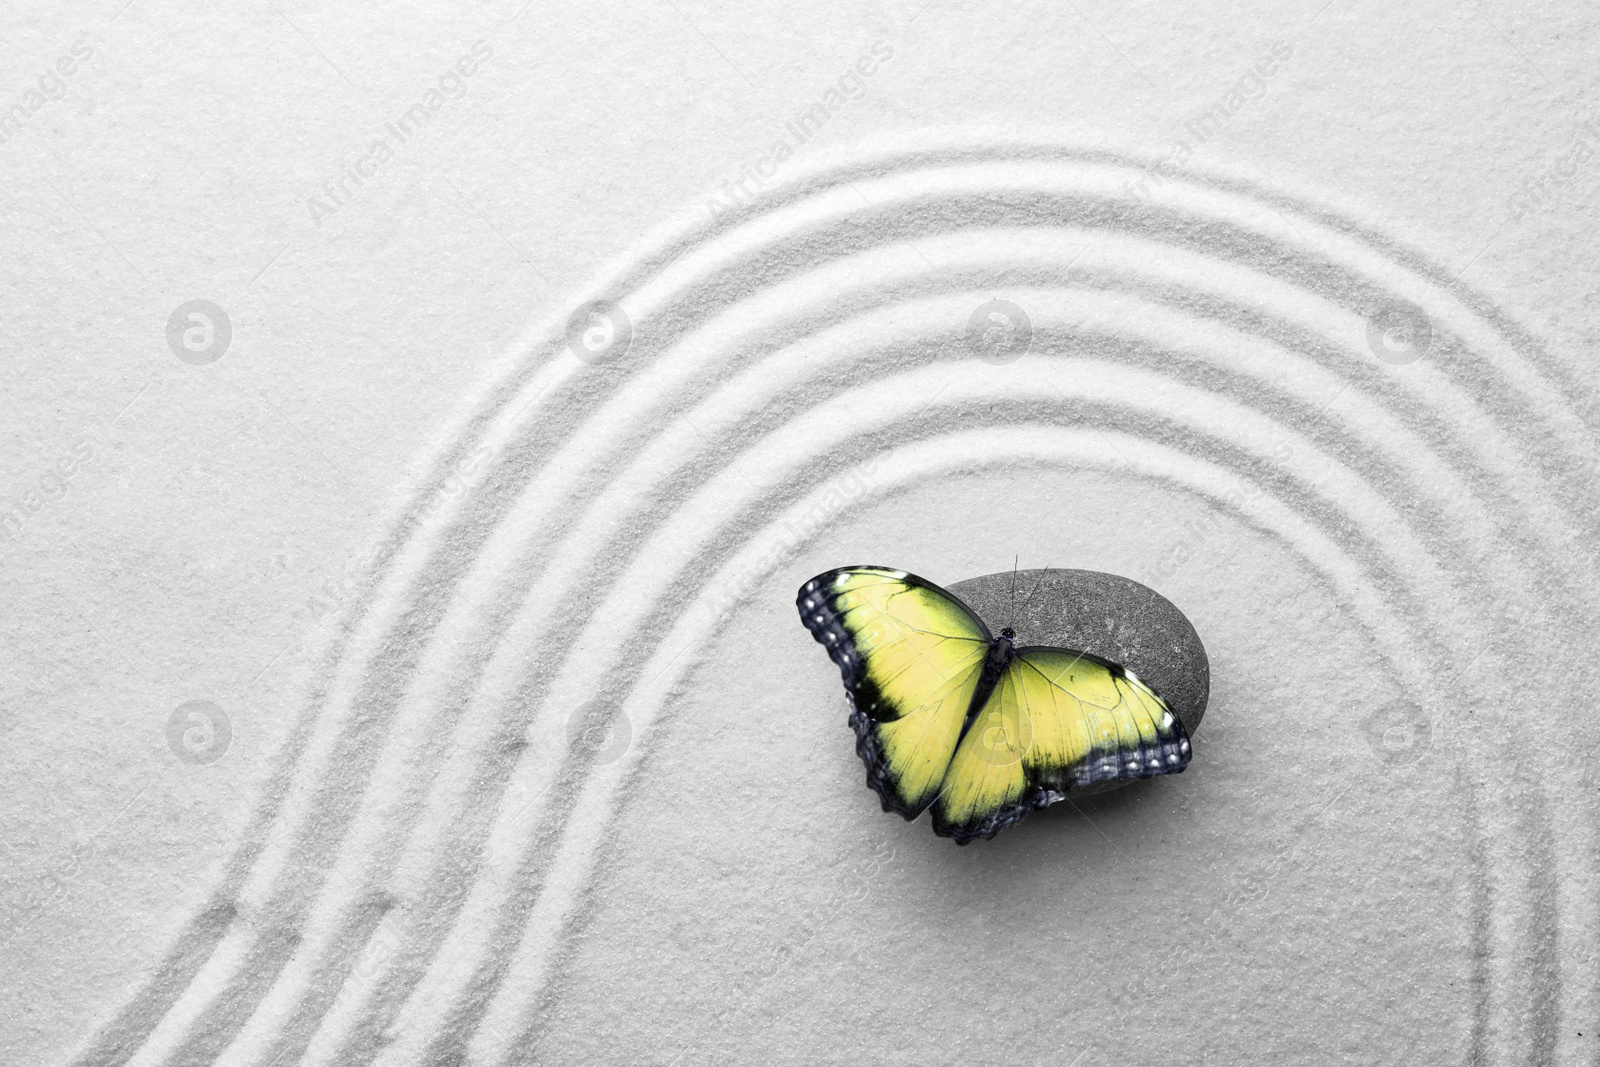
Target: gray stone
{"x":1106,"y":615}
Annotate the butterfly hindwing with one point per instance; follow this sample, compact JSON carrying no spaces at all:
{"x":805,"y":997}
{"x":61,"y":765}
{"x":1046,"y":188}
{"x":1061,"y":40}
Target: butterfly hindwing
{"x":986,"y":786}
{"x":1057,"y":720}
{"x":911,"y":655}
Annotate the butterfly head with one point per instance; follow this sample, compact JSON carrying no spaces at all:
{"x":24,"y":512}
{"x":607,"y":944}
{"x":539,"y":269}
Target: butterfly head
{"x":1008,"y":634}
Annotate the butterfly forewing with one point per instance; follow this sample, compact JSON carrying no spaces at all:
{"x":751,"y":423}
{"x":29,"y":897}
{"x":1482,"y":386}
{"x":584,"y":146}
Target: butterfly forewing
{"x":1113,"y":724}
{"x":911,"y":656}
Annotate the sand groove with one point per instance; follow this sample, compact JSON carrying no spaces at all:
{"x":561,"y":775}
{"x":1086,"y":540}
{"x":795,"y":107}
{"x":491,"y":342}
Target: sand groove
{"x":404,"y":892}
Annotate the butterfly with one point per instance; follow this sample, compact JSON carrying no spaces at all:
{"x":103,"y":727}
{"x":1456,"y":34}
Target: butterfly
{"x":979,"y":729}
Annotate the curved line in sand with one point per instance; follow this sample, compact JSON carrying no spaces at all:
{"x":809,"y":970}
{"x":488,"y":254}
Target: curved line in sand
{"x":392,"y":605}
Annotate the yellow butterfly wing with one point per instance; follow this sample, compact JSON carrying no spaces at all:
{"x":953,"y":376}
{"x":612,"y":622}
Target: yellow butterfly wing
{"x":1056,"y":720}
{"x":911,"y":655}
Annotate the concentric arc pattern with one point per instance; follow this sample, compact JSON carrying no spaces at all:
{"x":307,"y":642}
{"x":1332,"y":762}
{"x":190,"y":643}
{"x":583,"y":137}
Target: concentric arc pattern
{"x":1191,"y":342}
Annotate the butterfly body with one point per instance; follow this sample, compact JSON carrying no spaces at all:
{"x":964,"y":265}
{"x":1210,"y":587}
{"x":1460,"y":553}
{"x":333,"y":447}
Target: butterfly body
{"x":1000,"y":654}
{"x":976,"y":727}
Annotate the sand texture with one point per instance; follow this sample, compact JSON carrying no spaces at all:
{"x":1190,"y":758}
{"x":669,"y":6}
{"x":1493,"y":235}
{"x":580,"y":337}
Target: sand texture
{"x":418,"y":423}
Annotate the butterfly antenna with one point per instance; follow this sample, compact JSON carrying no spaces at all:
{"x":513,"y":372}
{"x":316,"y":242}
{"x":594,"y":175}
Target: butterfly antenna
{"x":1015,"y":561}
{"x":1036,"y":583}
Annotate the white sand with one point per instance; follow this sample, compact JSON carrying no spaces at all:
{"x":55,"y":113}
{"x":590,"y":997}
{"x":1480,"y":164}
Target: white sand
{"x":411,"y":546}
